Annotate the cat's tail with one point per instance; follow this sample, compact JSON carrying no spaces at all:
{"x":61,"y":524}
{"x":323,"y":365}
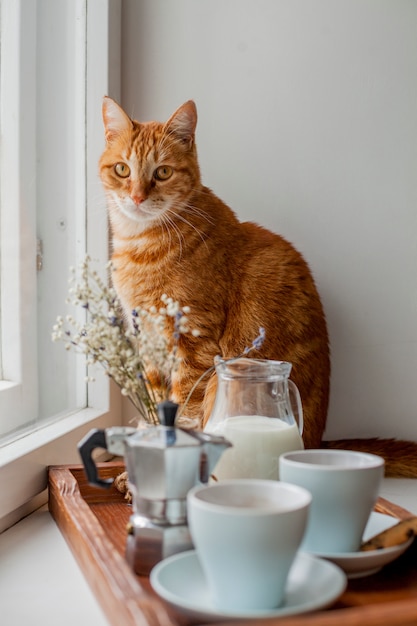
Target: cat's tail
{"x":400,"y":456}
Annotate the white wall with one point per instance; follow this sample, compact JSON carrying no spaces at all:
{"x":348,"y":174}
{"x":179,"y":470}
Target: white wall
{"x":308,"y":125}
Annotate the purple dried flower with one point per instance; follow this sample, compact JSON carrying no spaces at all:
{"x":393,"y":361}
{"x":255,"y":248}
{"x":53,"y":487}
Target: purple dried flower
{"x":257,"y":342}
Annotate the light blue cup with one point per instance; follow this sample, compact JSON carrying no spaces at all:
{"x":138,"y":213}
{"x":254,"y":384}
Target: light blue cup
{"x":246,"y":533}
{"x":344,"y":485}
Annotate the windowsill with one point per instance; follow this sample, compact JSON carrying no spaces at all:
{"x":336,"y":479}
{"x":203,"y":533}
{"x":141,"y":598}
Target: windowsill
{"x":41,"y":583}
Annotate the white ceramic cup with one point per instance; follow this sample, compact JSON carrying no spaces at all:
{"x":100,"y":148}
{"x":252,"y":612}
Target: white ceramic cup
{"x":246,"y":533}
{"x":344,"y":485}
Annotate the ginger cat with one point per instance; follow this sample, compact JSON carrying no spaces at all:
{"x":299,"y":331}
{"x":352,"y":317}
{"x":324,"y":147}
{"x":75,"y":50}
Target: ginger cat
{"x":172,"y":235}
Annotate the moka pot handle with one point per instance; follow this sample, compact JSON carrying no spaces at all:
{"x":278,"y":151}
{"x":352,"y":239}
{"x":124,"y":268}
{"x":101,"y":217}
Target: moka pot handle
{"x":96,"y":438}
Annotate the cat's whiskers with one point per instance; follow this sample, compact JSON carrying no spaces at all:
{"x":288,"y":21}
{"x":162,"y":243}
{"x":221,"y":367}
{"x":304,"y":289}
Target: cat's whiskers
{"x":163,"y":223}
{"x":167,"y":229}
{"x":185,"y":221}
{"x":170,"y":225}
{"x":194,"y":210}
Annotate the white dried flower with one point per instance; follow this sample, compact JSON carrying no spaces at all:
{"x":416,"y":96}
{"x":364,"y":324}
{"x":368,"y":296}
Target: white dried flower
{"x":125,"y":353}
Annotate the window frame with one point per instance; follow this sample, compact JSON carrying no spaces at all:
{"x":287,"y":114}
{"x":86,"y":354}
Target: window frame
{"x":95,"y":40}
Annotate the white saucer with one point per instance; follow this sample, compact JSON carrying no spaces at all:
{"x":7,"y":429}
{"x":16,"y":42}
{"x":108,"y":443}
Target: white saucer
{"x":358,"y":564}
{"x":312,"y":584}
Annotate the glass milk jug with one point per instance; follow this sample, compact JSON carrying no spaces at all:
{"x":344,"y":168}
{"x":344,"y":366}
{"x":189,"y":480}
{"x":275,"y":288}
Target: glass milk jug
{"x":258,"y":409}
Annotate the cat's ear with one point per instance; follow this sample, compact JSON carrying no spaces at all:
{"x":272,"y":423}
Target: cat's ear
{"x":183,"y":122}
{"x":115,"y":119}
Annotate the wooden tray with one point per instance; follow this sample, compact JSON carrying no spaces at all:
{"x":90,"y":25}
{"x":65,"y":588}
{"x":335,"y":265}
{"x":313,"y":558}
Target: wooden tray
{"x":93,"y":522}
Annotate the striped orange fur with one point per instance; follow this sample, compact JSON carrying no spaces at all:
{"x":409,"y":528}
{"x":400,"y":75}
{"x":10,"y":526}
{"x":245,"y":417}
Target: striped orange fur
{"x":172,"y":235}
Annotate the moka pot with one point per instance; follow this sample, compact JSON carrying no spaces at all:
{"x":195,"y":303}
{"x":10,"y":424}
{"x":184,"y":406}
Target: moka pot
{"x":163,"y":463}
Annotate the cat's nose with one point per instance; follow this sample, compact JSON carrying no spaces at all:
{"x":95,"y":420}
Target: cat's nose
{"x":138,"y":199}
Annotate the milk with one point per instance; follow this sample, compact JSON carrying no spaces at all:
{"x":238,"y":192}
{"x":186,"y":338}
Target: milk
{"x":257,"y":444}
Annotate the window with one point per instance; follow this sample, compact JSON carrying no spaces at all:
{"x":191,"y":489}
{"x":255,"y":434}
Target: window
{"x":58,"y":59}
{"x":18,"y":160}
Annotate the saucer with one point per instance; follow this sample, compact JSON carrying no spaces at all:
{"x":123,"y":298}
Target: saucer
{"x":312,"y":584}
{"x":358,"y":564}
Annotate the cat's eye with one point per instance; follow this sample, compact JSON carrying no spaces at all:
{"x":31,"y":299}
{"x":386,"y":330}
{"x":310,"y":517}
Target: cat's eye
{"x":163,"y":172}
{"x":122,"y":170}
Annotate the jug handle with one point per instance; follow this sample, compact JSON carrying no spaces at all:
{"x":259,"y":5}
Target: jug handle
{"x":295,"y":401}
{"x":96,"y":438}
